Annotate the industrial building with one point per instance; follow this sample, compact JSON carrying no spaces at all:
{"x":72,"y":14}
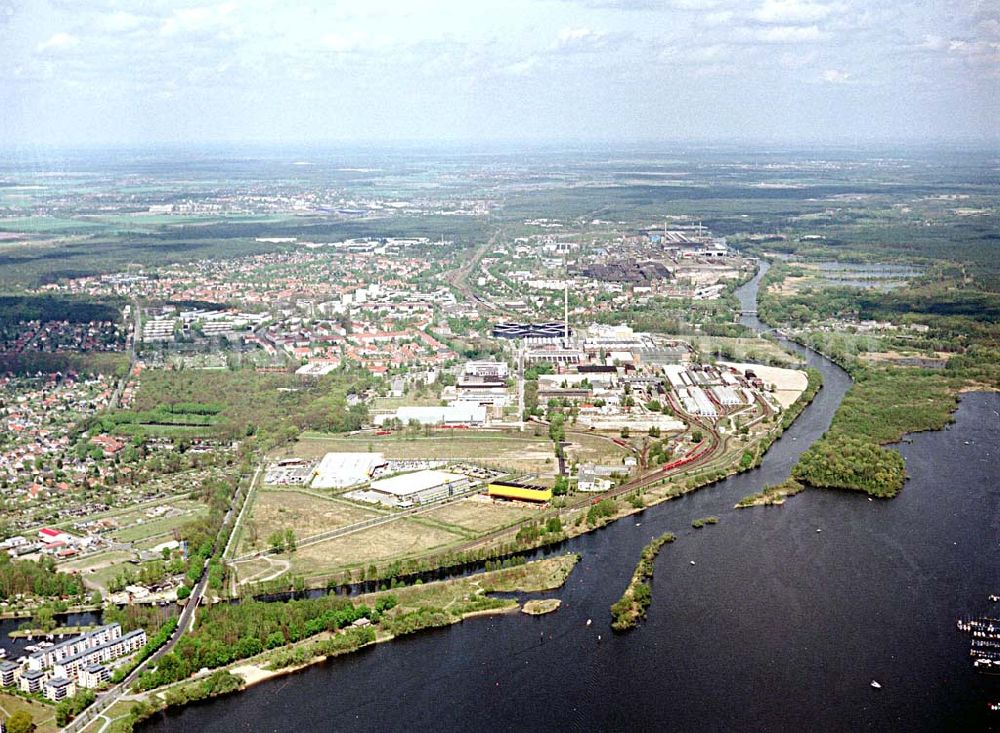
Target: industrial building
{"x":595,"y":477}
{"x":552,"y":329}
{"x":495,"y":370}
{"x":727,"y":396}
{"x":519,"y":491}
{"x":341,"y":470}
{"x":460,"y":413}
{"x":408,"y":489}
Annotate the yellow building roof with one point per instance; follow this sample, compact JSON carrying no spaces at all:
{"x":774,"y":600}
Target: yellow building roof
{"x":519,"y":492}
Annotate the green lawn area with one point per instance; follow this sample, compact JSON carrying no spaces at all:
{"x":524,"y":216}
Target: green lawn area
{"x":96,"y":562}
{"x":44,"y":716}
{"x":305,"y":512}
{"x":39,"y":224}
{"x":102,"y":576}
{"x":153,"y":527}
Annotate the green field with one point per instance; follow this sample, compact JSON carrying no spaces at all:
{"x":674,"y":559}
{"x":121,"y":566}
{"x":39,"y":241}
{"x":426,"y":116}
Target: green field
{"x":44,"y":716}
{"x":151,"y":528}
{"x":42,"y":224}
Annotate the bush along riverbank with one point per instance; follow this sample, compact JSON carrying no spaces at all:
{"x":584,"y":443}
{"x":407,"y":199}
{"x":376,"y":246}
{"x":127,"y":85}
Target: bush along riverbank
{"x":772,"y":495}
{"x":882,"y":405}
{"x":253,"y":641}
{"x":627,"y":610}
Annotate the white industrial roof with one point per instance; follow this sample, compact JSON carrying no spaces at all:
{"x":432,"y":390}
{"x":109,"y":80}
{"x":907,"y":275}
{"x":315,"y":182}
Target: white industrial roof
{"x":458,"y":413}
{"x":413,"y":483}
{"x":339,"y":470}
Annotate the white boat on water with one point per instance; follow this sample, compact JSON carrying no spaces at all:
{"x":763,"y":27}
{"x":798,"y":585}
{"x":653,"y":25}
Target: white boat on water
{"x":876,"y":685}
{"x":3,"y":652}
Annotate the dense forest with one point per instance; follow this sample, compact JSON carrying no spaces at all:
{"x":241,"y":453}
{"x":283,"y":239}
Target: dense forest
{"x":21,"y":308}
{"x":28,"y":577}
{"x":228,"y":632}
{"x":271,"y":408}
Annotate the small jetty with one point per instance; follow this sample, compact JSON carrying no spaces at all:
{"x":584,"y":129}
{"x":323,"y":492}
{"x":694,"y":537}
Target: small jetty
{"x":984,"y":642}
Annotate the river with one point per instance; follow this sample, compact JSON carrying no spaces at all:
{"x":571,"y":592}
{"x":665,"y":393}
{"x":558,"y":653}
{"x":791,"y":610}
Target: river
{"x":776,"y":626}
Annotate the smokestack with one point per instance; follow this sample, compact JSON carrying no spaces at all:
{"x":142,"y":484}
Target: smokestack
{"x":566,"y":309}
{"x":565,"y":303}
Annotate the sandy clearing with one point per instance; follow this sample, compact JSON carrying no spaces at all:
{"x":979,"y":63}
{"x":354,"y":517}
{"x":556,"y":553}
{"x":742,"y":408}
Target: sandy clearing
{"x":788,"y":383}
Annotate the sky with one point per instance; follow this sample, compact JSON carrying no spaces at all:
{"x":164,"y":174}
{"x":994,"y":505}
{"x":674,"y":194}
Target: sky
{"x":369,"y":71}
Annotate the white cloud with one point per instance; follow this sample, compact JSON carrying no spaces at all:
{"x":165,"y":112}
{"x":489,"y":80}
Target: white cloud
{"x":933,"y":42}
{"x":355,"y":41}
{"x":120,"y":22}
{"x":520,"y":68}
{"x":572,"y":36}
{"x":696,"y":55}
{"x":792,"y":12}
{"x":585,"y":40}
{"x":201,"y":19}
{"x":58,"y":42}
{"x":719,"y":17}
{"x":836,"y":76}
{"x":788,"y":34}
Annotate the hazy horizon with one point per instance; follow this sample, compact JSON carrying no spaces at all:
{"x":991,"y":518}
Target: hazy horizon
{"x":543,"y":72}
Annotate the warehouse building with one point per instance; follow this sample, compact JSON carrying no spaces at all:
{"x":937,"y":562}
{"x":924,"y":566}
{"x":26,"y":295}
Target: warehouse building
{"x":519,"y":491}
{"x":409,"y":489}
{"x":551,"y":329}
{"x":340,"y":470}
{"x":726,"y":396}
{"x":459,"y":413}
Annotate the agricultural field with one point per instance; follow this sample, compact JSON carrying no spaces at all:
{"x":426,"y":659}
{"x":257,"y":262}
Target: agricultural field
{"x":305,"y":512}
{"x":46,"y":224}
{"x":756,"y":350}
